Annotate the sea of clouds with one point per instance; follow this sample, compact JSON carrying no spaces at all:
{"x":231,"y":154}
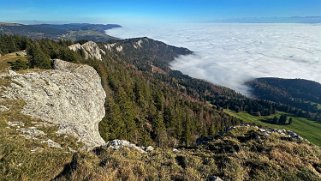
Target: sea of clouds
{"x":231,"y":54}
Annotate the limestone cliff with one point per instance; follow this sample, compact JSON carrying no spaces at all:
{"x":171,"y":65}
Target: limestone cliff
{"x":90,"y":50}
{"x":70,"y":96}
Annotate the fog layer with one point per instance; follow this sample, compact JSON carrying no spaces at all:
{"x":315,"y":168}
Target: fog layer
{"x":230,"y":54}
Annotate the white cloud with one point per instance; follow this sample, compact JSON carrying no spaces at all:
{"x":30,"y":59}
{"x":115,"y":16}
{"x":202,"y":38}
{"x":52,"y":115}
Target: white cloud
{"x":230,"y":54}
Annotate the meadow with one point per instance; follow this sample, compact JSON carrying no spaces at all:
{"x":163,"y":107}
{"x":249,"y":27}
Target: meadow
{"x":310,"y":130}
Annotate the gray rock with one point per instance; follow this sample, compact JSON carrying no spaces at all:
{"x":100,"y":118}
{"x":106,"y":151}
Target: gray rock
{"x":71,"y":96}
{"x":117,"y":144}
{"x":109,"y":47}
{"x":214,"y":178}
{"x":12,"y":73}
{"x":3,"y":108}
{"x":15,"y":123}
{"x":119,"y":48}
{"x":41,"y":124}
{"x":52,"y":144}
{"x":31,"y":132}
{"x":138,"y":44}
{"x":149,"y":149}
{"x":22,"y":53}
{"x":72,"y":150}
{"x":176,"y":150}
{"x":90,"y":49}
{"x":37,"y":149}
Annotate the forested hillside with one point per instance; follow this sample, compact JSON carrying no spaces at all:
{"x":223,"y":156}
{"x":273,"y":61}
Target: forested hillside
{"x":156,"y":64}
{"x":301,"y":94}
{"x":139,"y":107}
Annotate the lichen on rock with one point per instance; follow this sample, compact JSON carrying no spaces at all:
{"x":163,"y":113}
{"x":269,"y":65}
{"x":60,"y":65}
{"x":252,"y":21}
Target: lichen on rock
{"x":70,"y":96}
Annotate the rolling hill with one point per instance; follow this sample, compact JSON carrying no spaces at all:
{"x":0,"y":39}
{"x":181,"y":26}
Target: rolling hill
{"x":302,"y":94}
{"x":74,"y":32}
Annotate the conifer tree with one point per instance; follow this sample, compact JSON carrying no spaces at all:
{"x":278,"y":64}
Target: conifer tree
{"x":160,"y":130}
{"x":38,"y":58}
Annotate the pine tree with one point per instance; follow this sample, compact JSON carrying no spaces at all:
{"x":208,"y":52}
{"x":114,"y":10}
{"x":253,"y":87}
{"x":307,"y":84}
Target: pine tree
{"x":128,"y":115}
{"x":159,"y":101}
{"x":160,"y":130}
{"x":112,"y":126}
{"x":38,"y":58}
{"x":187,"y":135}
{"x":283,"y":119}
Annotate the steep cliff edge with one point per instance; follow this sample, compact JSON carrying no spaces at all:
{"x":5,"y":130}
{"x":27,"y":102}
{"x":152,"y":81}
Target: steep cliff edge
{"x":90,"y":49}
{"x":70,"y":96}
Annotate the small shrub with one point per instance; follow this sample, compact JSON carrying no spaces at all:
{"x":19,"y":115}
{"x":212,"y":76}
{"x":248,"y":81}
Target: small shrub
{"x":19,"y":65}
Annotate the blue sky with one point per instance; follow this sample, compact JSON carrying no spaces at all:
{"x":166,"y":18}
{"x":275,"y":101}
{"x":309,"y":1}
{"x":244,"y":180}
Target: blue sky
{"x":121,"y":11}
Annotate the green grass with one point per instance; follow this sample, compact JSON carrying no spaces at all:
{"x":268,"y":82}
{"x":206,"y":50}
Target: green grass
{"x":17,"y":160}
{"x":310,"y":130}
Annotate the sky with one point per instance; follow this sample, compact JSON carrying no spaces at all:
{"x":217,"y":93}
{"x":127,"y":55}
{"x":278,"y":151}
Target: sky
{"x":136,"y":11}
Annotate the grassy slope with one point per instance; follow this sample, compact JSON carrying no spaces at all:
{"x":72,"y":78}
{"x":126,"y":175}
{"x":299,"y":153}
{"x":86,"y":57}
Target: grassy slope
{"x":267,"y":158}
{"x":11,"y":57}
{"x":308,"y":129}
{"x":17,"y":160}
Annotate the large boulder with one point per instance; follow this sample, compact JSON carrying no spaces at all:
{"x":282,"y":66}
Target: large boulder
{"x":70,"y":96}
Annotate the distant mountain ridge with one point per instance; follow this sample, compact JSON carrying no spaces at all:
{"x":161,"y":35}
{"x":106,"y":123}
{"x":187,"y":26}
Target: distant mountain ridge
{"x":293,"y":19}
{"x":73,"y":31}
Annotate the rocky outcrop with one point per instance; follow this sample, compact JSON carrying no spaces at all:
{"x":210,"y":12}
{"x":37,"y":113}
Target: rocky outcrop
{"x":118,"y":144}
{"x":138,"y":44}
{"x":70,"y":96}
{"x":267,"y":132}
{"x":90,"y":50}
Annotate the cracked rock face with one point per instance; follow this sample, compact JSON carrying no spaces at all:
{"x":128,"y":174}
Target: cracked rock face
{"x":70,"y":96}
{"x":90,"y":50}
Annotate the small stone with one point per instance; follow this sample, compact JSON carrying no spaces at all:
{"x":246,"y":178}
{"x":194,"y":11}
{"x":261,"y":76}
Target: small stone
{"x":35,"y":150}
{"x":176,"y":150}
{"x":12,"y":73}
{"x":32,"y":132}
{"x":15,"y":123}
{"x":3,"y":108}
{"x":52,"y":144}
{"x":72,"y":150}
{"x":149,"y":149}
{"x":117,"y":144}
{"x":214,"y":178}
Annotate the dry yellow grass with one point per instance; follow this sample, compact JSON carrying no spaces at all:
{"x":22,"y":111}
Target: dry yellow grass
{"x":5,"y":59}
